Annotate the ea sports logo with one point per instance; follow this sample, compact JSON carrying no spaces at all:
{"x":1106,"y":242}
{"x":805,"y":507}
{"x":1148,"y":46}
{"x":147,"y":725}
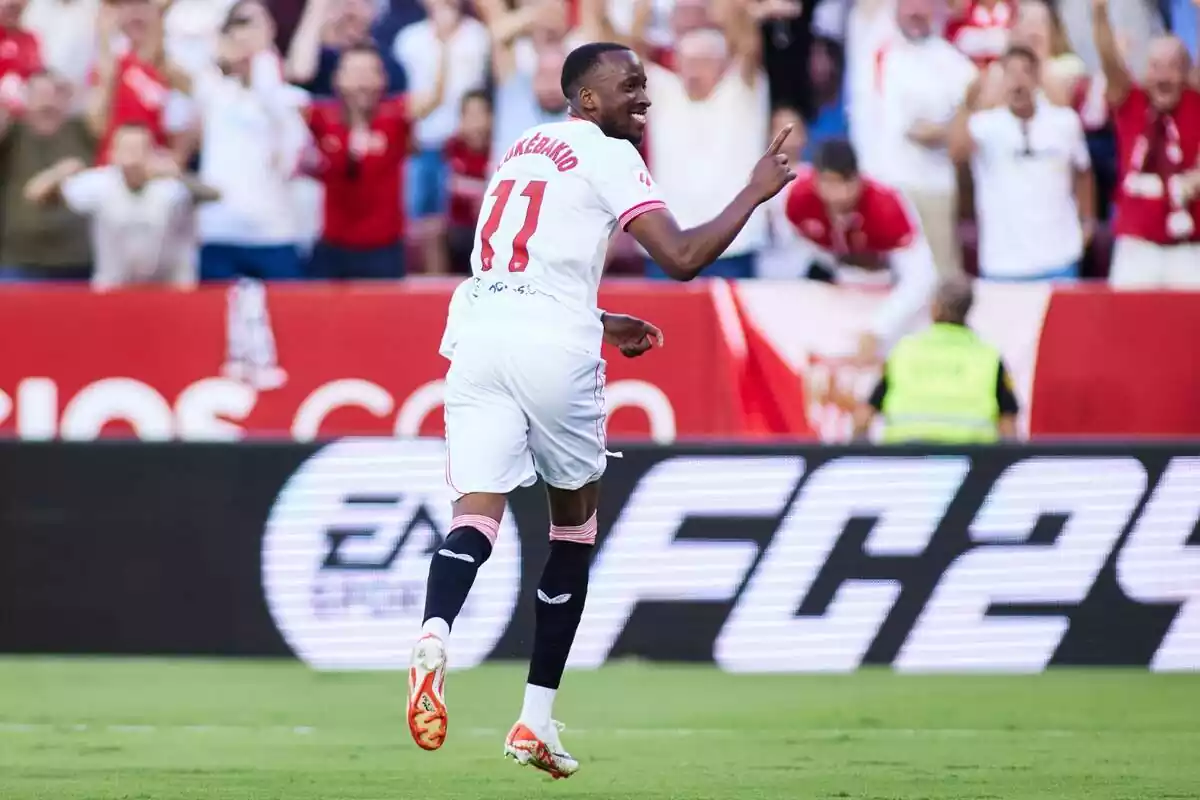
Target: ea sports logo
{"x":346,"y":553}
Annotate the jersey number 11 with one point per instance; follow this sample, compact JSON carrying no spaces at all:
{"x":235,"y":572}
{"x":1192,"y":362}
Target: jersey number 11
{"x":535,"y":191}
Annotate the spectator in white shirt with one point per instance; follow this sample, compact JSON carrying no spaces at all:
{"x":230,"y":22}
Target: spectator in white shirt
{"x":138,"y":208}
{"x":253,"y":138}
{"x":708,"y":120}
{"x":418,"y":48}
{"x":922,"y":80}
{"x":1035,"y":197}
{"x":66,"y":32}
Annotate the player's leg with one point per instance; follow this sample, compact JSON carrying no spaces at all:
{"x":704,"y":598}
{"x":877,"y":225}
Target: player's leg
{"x":452,"y":572}
{"x":486,"y":457}
{"x":568,"y":442}
{"x":561,"y":596}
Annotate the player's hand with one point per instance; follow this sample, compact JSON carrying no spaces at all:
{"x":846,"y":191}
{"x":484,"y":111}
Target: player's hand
{"x":772,"y":171}
{"x":631,"y":335}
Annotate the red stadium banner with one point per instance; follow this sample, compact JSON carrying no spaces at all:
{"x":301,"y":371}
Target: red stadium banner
{"x":746,"y":360}
{"x":360,"y":360}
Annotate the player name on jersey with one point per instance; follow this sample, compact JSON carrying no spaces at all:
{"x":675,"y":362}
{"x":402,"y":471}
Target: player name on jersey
{"x":541,"y":145}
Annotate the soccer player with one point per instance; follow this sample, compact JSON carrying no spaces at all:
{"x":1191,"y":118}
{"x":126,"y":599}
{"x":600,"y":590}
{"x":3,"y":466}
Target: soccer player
{"x":525,"y":389}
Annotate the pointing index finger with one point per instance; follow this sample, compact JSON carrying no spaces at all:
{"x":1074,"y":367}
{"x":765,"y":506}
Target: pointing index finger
{"x":777,"y":142}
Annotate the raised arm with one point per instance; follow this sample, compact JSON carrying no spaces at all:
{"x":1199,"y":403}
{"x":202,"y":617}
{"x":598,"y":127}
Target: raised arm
{"x":99,"y":103}
{"x":422,"y":104}
{"x":45,"y":187}
{"x":304,"y":54}
{"x":1116,"y":73}
{"x":959,"y":140}
{"x":505,"y":27}
{"x":741,"y":31}
{"x":683,"y":254}
{"x":1195,"y":75}
{"x":594,"y":24}
{"x":638,"y":39}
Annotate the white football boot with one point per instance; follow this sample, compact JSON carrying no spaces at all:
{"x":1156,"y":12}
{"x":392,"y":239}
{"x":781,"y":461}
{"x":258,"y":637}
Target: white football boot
{"x":540,"y":749}
{"x":427,"y":719}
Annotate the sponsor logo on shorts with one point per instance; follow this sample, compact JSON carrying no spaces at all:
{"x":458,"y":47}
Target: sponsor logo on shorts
{"x":346,"y":553}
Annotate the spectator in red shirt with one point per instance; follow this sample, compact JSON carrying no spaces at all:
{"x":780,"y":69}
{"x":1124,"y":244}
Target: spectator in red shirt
{"x":363,"y":139}
{"x":861,"y":225}
{"x":135,"y":81}
{"x":20,"y":56}
{"x":1157,"y":216}
{"x":467,"y":154}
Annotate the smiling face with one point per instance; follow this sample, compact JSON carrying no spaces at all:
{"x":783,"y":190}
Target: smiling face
{"x":614,"y":94}
{"x":1166,"y":72}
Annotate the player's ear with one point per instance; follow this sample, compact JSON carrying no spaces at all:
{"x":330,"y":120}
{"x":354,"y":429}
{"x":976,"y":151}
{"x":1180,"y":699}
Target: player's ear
{"x":587,"y":99}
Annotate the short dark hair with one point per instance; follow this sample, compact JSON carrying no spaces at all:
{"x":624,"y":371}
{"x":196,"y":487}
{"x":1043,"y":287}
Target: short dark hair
{"x":582,"y":60}
{"x":836,"y":156}
{"x":1021,"y":51}
{"x":476,"y":94}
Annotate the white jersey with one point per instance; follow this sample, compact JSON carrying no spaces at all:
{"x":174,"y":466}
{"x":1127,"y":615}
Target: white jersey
{"x":551,"y":208}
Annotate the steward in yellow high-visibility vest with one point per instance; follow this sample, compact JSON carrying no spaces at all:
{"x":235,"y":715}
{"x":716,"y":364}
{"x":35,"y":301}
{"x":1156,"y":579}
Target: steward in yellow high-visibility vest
{"x":943,"y":385}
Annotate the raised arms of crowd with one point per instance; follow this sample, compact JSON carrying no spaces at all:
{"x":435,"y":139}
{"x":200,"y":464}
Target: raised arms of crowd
{"x":1116,"y":75}
{"x":959,"y":142}
{"x":507,"y":26}
{"x":736,"y":18}
{"x":304,"y":54}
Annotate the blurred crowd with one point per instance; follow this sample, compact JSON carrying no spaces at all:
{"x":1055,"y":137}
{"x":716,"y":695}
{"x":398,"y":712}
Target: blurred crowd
{"x":181,"y":141}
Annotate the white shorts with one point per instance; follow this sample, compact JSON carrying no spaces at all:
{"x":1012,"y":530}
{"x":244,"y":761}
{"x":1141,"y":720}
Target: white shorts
{"x":517,"y":408}
{"x":1137,"y":264}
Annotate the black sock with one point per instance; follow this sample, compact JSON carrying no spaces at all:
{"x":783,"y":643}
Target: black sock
{"x":560,"y":598}
{"x":452,"y":572}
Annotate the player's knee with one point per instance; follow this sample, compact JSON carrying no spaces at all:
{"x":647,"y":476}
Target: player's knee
{"x":468,"y":542}
{"x":584,"y":534}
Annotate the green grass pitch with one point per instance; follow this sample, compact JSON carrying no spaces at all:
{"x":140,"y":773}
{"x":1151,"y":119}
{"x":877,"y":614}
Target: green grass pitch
{"x":100,"y":729}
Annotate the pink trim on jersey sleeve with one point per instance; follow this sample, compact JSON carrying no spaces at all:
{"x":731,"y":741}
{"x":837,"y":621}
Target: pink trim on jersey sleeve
{"x":635,"y":212}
